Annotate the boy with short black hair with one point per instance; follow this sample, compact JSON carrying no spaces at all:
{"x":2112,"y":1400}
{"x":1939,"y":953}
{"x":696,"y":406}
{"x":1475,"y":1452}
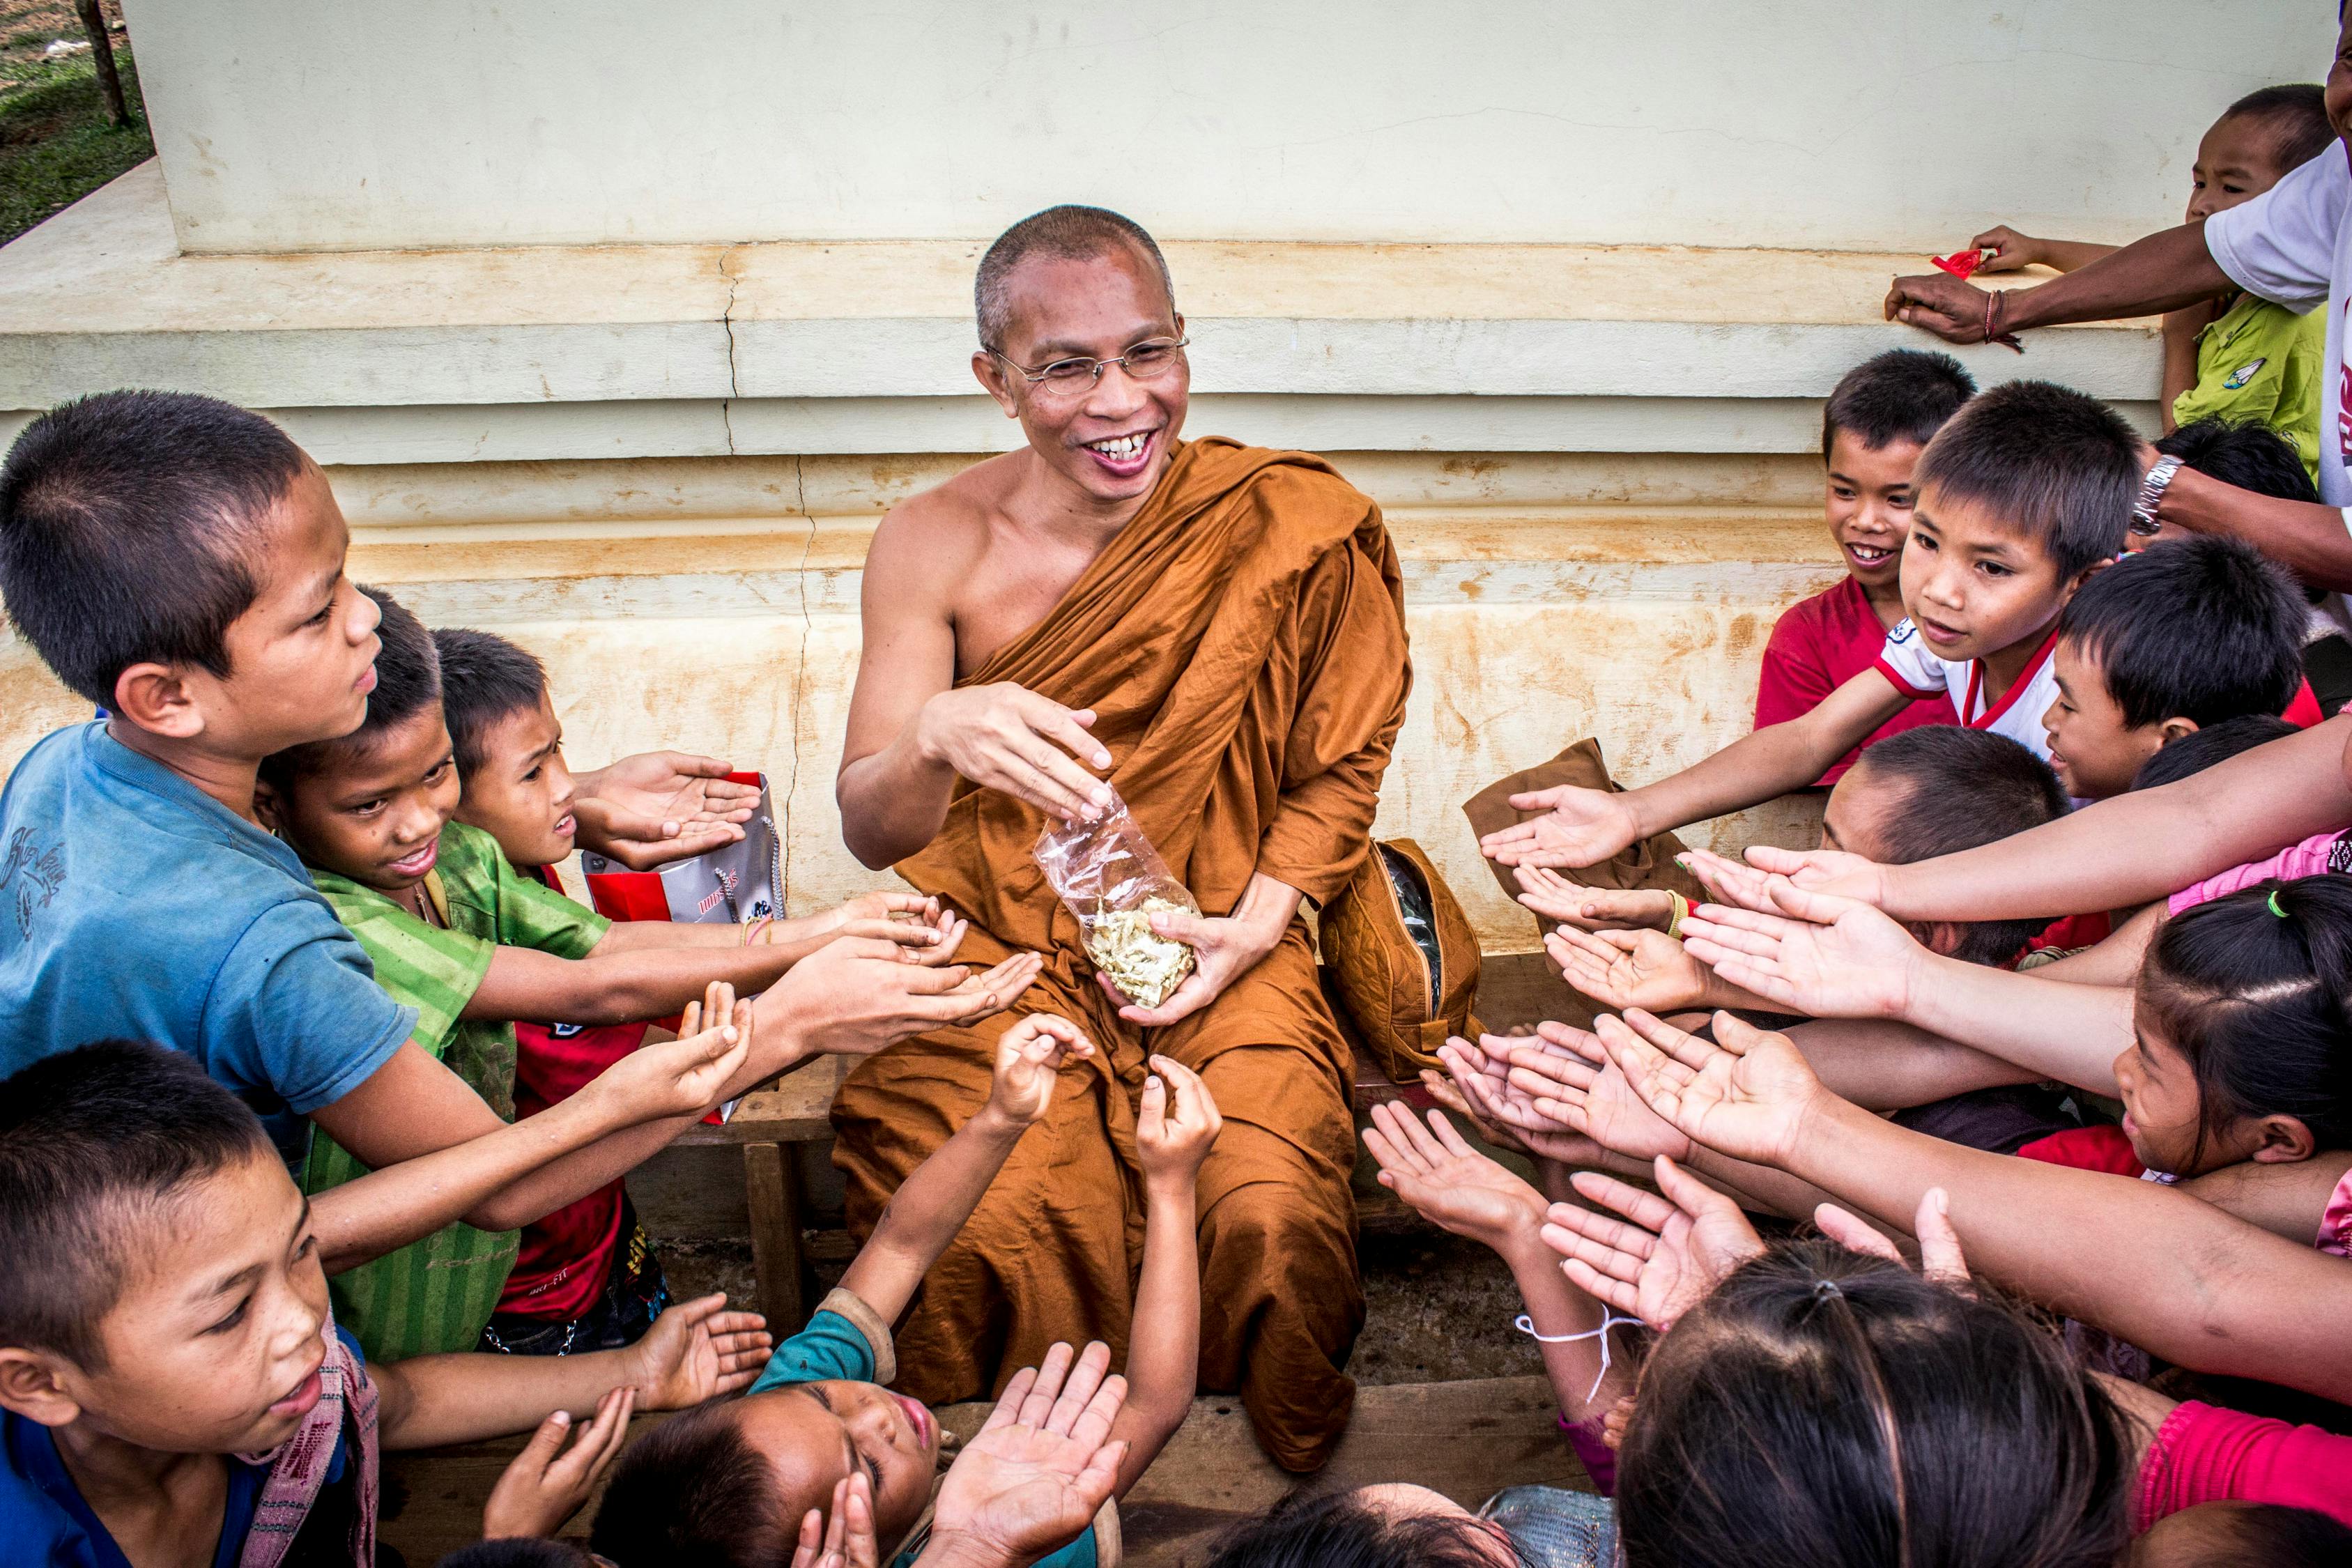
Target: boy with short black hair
{"x":456,"y":933}
{"x":1879,"y":417}
{"x":732,"y":1485}
{"x":2190,"y":632}
{"x":172,"y":1382}
{"x":2022,"y":496}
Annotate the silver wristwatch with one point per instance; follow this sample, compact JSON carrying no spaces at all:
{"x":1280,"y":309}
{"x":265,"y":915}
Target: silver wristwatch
{"x":2151,"y":494}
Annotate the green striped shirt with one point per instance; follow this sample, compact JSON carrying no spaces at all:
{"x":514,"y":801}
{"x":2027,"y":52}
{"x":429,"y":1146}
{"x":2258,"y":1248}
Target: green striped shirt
{"x":436,"y":1294}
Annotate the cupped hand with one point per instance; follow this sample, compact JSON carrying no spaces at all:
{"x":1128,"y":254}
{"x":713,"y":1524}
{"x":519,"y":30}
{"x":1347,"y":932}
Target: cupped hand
{"x":1579,"y":827}
{"x":1177,"y":1123}
{"x":697,"y":1349}
{"x":1036,"y":1474}
{"x":1447,"y":1182}
{"x":1482,"y":1075}
{"x":1672,"y":1248}
{"x":855,"y":997}
{"x":1748,"y":1095}
{"x":1556,"y":897}
{"x":654,"y":807}
{"x":1030,"y":1057}
{"x":1646,"y":969}
{"x":1223,"y":949}
{"x":544,"y":1486}
{"x":1570,"y":1077}
{"x":1824,"y":957}
{"x":686,"y":1076}
{"x":1006,"y":737}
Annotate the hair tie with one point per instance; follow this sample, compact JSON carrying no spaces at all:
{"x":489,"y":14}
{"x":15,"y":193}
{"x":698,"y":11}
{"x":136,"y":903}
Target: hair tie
{"x":2273,"y":902}
{"x":1826,"y":1289}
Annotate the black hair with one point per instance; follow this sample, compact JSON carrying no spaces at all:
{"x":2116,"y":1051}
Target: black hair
{"x":517,"y":1552}
{"x":2295,"y":114}
{"x":2208,"y":746}
{"x":93,"y":1141}
{"x":1821,"y":1407}
{"x":2255,"y":990}
{"x":693,"y":1490}
{"x":1342,"y":1530}
{"x":2200,"y":628}
{"x":128,"y":531}
{"x":1077,"y":233}
{"x":1963,"y":788}
{"x":2233,"y":1535}
{"x":485,"y":679}
{"x":407,"y":682}
{"x":2058,"y":465}
{"x":1903,"y":394}
{"x":2251,"y":456}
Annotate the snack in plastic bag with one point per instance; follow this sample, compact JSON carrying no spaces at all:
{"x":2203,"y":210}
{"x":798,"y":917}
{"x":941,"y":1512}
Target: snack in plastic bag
{"x":1108,"y":874}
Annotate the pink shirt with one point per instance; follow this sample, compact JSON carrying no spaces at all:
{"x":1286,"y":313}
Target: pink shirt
{"x":2205,"y":1453}
{"x":2320,"y":853}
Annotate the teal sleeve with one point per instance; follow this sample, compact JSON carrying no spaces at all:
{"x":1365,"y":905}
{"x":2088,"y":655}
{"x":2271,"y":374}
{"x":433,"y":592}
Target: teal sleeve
{"x":1078,"y":1553}
{"x":829,"y":1348}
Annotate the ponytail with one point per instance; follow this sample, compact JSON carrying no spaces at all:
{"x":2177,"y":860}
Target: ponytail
{"x":2255,"y":990}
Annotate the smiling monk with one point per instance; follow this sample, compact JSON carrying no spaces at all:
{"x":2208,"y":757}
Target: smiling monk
{"x":1218,"y":630}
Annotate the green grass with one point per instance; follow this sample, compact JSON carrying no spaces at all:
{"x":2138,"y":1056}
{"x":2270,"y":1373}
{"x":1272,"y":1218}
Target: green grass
{"x":56,"y":146}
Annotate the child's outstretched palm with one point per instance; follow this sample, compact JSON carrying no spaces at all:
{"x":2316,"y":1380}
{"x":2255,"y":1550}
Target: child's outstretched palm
{"x":684,"y":1077}
{"x":1830,"y":957}
{"x":1747,"y":1095}
{"x":1446,"y":1181}
{"x":697,"y":1349}
{"x":1681,"y":1242}
{"x":1556,"y":897}
{"x":1645,"y":969}
{"x":1029,"y":1056}
{"x":1570,"y":1079}
{"x":1579,"y":827}
{"x":1177,"y":1122}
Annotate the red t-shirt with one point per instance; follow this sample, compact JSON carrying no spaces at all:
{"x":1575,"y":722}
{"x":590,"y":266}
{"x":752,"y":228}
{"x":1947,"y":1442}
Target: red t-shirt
{"x":565,"y":1256}
{"x":1819,"y":644}
{"x":2100,"y":1148}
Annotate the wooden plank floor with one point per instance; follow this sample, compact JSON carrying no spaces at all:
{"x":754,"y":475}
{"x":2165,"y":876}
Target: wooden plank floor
{"x":1466,"y":1439}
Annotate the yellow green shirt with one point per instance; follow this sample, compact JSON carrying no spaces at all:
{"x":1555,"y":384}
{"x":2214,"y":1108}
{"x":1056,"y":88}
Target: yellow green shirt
{"x":436,"y":1294}
{"x":2262,"y":364}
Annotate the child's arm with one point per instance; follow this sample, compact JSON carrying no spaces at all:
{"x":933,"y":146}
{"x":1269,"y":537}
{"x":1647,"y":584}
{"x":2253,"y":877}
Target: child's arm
{"x":2011,"y":251}
{"x":2289,"y":1200}
{"x":1840,"y":958}
{"x":932,"y":1205}
{"x":1585,"y":826}
{"x":1174,"y":1129}
{"x":694,"y":1352}
{"x":649,"y":969}
{"x":2115,"y":854}
{"x":388,"y":1208}
{"x":1447,"y":1182}
{"x":2167,"y":1272}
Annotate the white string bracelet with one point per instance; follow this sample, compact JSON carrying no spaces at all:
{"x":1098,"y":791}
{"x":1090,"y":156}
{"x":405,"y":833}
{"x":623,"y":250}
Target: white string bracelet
{"x":1608,"y":1321}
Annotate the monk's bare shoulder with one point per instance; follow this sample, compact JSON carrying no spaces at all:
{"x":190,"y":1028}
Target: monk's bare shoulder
{"x":932,"y":540}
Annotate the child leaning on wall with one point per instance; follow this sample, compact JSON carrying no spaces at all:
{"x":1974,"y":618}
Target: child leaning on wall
{"x":2239,"y":357}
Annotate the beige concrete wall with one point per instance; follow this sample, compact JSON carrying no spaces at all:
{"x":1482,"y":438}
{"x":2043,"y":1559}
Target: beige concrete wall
{"x":712,"y":605}
{"x":1904,"y":125}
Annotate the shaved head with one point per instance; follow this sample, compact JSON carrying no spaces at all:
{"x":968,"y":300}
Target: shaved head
{"x":1072,"y":233}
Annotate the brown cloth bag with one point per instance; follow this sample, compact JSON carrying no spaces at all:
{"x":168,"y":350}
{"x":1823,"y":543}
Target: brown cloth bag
{"x":1403,"y":958}
{"x":1649,"y":863}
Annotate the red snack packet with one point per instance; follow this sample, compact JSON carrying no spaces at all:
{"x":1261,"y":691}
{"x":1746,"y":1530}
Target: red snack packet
{"x":1960,"y":264}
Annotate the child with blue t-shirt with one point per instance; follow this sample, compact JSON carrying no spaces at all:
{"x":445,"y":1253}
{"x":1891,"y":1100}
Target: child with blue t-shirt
{"x":170,"y":1377}
{"x":820,"y":1426}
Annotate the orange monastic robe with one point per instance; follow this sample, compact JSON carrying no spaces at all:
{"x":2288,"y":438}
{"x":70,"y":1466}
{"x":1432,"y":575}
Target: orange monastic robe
{"x":1242,"y":642}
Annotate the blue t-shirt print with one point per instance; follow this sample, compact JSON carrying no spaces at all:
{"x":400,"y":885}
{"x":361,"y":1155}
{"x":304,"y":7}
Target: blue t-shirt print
{"x":137,"y":906}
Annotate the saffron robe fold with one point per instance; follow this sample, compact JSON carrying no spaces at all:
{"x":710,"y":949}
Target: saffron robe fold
{"x":1242,"y":642}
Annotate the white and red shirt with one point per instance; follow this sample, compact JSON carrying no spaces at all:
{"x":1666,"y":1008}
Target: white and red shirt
{"x":1916,"y":672}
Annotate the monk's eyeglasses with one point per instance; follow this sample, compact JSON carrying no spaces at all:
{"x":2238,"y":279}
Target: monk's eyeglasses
{"x":1146,"y":361}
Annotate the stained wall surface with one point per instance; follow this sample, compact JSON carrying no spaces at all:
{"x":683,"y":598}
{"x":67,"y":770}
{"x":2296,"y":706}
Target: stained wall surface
{"x":1861,"y":125}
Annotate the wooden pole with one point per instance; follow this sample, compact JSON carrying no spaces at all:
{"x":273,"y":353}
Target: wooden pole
{"x":102,"y":54}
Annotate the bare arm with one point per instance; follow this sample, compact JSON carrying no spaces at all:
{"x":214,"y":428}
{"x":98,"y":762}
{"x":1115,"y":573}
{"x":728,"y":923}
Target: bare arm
{"x":2311,"y":540}
{"x":2286,"y":1200}
{"x":2117,"y":959}
{"x":2162,"y":272}
{"x":1175,"y":1127}
{"x":622,"y":987}
{"x":1881,"y":1065}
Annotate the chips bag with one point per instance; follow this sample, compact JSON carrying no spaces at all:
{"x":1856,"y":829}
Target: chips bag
{"x":1107,"y":873}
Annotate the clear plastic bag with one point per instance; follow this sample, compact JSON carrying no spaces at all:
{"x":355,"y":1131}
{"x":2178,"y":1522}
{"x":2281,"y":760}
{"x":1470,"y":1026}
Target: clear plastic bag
{"x":1108,"y":874}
